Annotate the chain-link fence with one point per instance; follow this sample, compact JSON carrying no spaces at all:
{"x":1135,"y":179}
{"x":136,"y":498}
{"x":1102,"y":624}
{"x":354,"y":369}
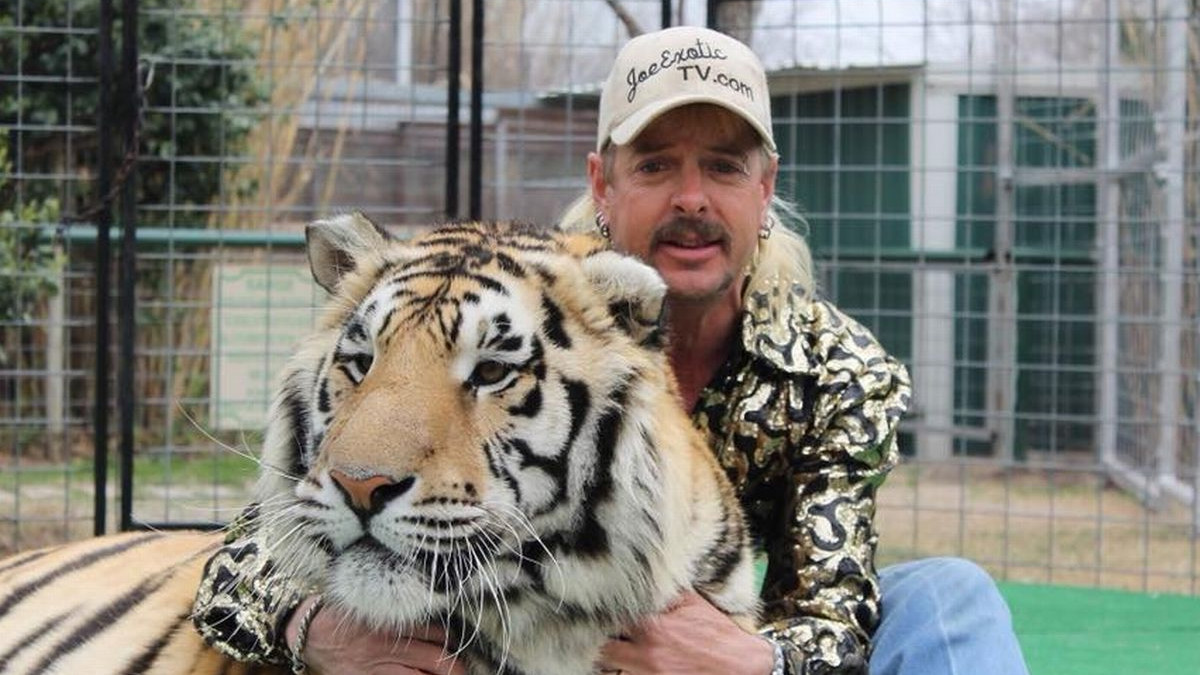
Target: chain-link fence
{"x":1005,"y":192}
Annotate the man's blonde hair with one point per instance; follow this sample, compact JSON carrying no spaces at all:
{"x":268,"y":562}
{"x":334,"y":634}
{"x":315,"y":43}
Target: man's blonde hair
{"x":783,"y":255}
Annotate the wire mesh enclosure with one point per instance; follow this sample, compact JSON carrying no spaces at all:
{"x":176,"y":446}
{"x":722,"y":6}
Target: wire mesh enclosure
{"x":1005,"y":192}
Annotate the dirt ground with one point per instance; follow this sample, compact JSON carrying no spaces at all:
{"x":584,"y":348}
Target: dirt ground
{"x":1061,"y":527}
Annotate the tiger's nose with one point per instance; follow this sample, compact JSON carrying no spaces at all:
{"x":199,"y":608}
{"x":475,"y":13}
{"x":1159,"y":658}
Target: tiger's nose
{"x":370,"y":494}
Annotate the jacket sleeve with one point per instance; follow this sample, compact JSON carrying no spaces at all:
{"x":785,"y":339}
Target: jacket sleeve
{"x":242,"y":605}
{"x":821,"y":596}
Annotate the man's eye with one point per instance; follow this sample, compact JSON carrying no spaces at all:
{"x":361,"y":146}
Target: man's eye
{"x":651,"y":166}
{"x":489,"y":372}
{"x":723,"y":166}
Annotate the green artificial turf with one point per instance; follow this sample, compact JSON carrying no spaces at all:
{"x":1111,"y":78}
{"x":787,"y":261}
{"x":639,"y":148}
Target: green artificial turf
{"x":1087,"y":631}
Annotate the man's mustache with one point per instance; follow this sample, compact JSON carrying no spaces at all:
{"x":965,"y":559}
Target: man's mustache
{"x":679,"y":229}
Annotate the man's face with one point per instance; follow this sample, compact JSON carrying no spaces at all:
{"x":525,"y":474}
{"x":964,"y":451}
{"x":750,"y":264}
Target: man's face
{"x":688,"y":196}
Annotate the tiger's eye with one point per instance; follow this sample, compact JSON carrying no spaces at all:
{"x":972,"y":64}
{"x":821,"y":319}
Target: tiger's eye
{"x":489,"y":372}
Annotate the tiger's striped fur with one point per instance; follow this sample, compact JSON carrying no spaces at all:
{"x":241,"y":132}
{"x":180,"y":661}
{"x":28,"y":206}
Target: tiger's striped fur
{"x":117,"y":605}
{"x":484,"y":432}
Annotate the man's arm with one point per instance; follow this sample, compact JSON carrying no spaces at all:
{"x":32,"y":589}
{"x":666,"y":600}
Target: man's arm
{"x":242,"y":604}
{"x":822,"y":598}
{"x":248,"y":611}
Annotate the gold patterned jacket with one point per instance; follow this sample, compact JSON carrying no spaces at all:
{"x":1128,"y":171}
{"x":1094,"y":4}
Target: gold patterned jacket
{"x":803,"y":417}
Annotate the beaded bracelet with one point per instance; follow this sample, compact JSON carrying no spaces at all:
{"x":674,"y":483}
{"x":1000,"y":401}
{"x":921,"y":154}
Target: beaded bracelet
{"x":298,"y":664}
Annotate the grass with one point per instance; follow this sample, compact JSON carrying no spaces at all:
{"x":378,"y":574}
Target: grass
{"x":43,"y":504}
{"x":223,"y":469}
{"x":1090,"y":631}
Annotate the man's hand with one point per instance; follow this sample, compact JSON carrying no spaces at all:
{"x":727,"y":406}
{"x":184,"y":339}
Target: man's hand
{"x":336,"y":644}
{"x":691,"y":636}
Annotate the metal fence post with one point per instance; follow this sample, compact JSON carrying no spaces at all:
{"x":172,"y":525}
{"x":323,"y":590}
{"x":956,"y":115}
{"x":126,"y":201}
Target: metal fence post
{"x":128,"y":92}
{"x":103,"y":283}
{"x":453,"y":73}
{"x":1002,"y":297}
{"x":475,"y":181}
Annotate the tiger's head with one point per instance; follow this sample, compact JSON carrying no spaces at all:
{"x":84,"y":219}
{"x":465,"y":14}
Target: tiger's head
{"x":479,"y":422}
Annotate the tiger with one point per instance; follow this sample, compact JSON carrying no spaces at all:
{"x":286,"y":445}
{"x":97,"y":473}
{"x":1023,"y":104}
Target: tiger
{"x":483,"y":431}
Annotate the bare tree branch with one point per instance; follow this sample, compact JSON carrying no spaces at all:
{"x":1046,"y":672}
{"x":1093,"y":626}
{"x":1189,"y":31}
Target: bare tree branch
{"x":626,"y":18}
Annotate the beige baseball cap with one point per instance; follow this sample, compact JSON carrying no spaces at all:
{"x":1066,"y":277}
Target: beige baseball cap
{"x":660,"y":71}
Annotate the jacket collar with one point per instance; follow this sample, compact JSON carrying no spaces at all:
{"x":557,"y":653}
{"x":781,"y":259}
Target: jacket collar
{"x":773,"y":321}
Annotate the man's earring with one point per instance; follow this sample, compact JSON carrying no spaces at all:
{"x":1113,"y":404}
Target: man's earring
{"x":602,"y":225}
{"x":768,"y":224}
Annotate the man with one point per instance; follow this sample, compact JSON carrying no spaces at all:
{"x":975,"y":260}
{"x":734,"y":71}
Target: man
{"x":798,"y":401}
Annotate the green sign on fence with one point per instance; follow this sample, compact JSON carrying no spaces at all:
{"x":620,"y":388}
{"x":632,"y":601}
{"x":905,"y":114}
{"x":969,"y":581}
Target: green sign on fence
{"x":259,"y":313}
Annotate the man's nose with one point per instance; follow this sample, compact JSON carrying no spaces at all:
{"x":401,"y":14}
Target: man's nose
{"x":691,"y":194}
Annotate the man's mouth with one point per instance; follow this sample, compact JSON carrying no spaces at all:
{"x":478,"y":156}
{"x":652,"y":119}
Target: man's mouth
{"x":691,"y":242}
{"x":690,"y":245}
{"x":689,"y":252}
{"x":690,"y":236}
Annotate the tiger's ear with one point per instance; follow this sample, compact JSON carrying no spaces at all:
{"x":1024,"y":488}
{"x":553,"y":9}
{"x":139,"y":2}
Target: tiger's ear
{"x":635,"y":294}
{"x":336,"y":246}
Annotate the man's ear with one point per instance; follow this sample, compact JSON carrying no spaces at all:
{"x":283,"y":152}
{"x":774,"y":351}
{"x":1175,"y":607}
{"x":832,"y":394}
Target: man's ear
{"x":597,"y":182}
{"x":634,"y":292}
{"x":770,"y":175}
{"x":338,"y":245}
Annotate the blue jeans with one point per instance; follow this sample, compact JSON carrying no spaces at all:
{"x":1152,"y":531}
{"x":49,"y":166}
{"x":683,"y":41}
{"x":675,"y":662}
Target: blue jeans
{"x":943,"y":616}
